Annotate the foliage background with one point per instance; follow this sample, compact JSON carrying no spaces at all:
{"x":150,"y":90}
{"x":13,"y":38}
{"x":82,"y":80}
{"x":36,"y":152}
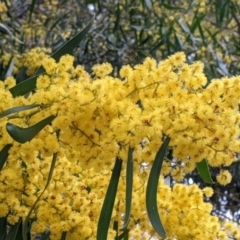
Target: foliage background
{"x":125,"y":32}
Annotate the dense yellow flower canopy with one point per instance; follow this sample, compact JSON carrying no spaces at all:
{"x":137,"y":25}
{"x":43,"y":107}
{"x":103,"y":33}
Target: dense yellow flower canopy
{"x":99,"y":118}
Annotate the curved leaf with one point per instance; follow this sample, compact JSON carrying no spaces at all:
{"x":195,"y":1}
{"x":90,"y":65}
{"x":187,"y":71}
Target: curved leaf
{"x":23,"y":135}
{"x":108,"y":204}
{"x":115,"y":228}
{"x":151,"y":192}
{"x":17,"y":109}
{"x":4,"y":155}
{"x":170,"y":7}
{"x":31,"y":9}
{"x":29,"y":84}
{"x":129,"y":186}
{"x":5,"y":29}
{"x":64,"y":235}
{"x":3,"y":228}
{"x":15,"y":232}
{"x":25,"y":223}
{"x":123,"y":235}
{"x":148,"y":4}
{"x":24,"y":87}
{"x":9,"y":68}
{"x":204,"y":172}
{"x":68,"y":47}
{"x":45,"y":235}
{"x":21,"y":76}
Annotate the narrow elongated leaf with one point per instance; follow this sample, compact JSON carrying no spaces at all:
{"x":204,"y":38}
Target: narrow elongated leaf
{"x":64,"y":235}
{"x":24,"y":87}
{"x":58,"y":20}
{"x":91,"y":1}
{"x":157,"y":45}
{"x":25,"y":223}
{"x":123,"y":33}
{"x":223,"y":11}
{"x":68,"y":47}
{"x":21,"y":76}
{"x":118,"y":13}
{"x":124,"y":235}
{"x":178,"y":42}
{"x":129,"y":186}
{"x":151,"y":192}
{"x":212,"y":35}
{"x":197,"y":24}
{"x":45,"y":236}
{"x":29,"y":84}
{"x":144,"y":41}
{"x":204,"y":172}
{"x":108,"y":204}
{"x":14,"y":231}
{"x":148,"y":3}
{"x":201,"y":32}
{"x":5,"y":29}
{"x":31,"y":9}
{"x":170,"y":7}
{"x":23,"y":135}
{"x":4,"y":155}
{"x":17,"y":109}
{"x":115,"y":228}
{"x":9,"y":68}
{"x":3,"y":228}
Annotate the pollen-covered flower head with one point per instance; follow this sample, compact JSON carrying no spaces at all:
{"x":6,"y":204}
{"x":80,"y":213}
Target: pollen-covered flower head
{"x":224,"y":177}
{"x":102,"y":70}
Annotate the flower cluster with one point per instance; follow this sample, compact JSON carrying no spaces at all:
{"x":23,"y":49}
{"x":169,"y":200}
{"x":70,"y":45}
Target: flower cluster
{"x":183,"y":212}
{"x":98,"y":118}
{"x":30,"y":60}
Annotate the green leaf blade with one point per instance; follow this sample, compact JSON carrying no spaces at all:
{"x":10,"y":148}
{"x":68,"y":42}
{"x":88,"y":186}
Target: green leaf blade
{"x":29,"y":84}
{"x":23,"y":135}
{"x":68,"y":47}
{"x":148,"y":4}
{"x":24,"y":87}
{"x":124,"y":235}
{"x":72,"y":43}
{"x":3,"y":228}
{"x":4,"y":155}
{"x":45,"y":235}
{"x":15,"y":232}
{"x":64,"y":235}
{"x":21,"y":76}
{"x":9,"y":68}
{"x":31,"y":9}
{"x":204,"y":172}
{"x":17,"y":109}
{"x":151,"y":192}
{"x":26,"y":221}
{"x":108,"y":204}
{"x":170,"y":7}
{"x":129,"y":187}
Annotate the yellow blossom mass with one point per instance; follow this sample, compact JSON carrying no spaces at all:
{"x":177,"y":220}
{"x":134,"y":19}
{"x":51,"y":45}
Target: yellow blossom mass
{"x":97,"y":119}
